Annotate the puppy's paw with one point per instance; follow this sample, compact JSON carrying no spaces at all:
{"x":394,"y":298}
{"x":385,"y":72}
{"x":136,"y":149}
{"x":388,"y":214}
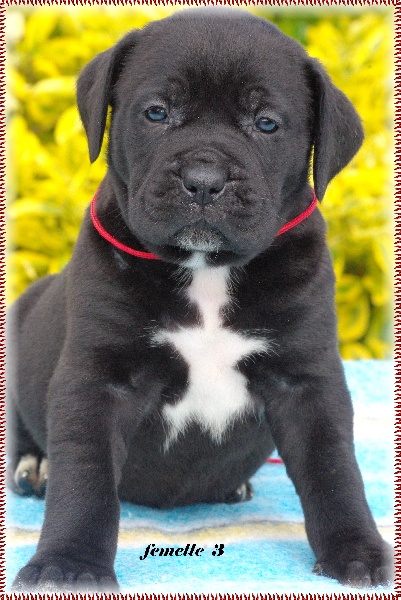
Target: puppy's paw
{"x":30,"y":476}
{"x":242,"y":494}
{"x":62,"y":574}
{"x":359,"y":565}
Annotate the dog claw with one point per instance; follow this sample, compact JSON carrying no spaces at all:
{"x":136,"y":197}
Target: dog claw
{"x":357,"y":574}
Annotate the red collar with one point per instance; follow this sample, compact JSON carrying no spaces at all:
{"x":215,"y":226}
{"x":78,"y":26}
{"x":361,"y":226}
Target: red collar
{"x":140,"y":254}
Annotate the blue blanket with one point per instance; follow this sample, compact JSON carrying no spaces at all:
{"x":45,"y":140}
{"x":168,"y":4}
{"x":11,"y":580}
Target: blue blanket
{"x":257,"y":546}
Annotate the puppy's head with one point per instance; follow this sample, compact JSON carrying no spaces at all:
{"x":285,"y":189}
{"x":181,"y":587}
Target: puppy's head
{"x":214,"y":117}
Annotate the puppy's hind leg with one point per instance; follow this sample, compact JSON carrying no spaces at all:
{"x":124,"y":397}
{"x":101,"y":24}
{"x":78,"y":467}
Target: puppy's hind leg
{"x":28,"y":468}
{"x":242,"y":494}
{"x":30,"y":476}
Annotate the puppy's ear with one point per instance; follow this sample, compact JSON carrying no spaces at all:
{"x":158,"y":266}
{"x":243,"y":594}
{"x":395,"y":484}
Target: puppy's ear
{"x":94,"y":88}
{"x":338,"y":132}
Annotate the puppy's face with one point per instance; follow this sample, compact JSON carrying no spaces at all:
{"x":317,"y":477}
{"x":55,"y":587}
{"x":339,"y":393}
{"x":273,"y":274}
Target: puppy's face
{"x":213,"y":123}
{"x":211,"y":131}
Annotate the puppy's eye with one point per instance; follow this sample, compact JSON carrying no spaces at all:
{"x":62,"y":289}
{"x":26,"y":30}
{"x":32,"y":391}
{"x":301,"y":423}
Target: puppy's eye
{"x":266,"y":125}
{"x":156,"y":113}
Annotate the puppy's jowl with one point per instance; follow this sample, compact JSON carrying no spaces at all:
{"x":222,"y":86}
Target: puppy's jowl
{"x":193,"y":330}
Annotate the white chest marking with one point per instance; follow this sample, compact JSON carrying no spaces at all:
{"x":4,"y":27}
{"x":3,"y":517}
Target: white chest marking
{"x":217,"y":392}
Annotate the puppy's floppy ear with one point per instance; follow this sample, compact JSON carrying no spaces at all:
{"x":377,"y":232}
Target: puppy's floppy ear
{"x":338,"y":132}
{"x":94,"y":88}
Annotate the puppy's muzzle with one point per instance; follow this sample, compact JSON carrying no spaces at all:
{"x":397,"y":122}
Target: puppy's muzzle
{"x":203,"y":182}
{"x":200,"y":237}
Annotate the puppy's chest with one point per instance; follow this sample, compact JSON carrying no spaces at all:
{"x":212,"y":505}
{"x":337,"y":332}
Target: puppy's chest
{"x":216,"y":393}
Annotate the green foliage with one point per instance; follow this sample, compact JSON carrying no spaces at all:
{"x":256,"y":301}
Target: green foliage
{"x":50,"y":180}
{"x":358,"y":207}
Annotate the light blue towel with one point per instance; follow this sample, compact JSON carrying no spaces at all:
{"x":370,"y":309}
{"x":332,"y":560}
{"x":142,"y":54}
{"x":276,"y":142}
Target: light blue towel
{"x":265,"y":547}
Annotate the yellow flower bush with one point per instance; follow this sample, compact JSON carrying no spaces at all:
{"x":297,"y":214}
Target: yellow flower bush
{"x":358,"y":205}
{"x":50,"y":180}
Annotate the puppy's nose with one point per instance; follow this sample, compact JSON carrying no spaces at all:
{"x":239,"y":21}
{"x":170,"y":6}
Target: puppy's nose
{"x":203,"y":182}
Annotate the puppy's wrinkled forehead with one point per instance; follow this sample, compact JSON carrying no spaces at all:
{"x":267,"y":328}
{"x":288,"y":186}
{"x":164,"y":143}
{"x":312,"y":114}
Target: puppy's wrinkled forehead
{"x":204,"y":57}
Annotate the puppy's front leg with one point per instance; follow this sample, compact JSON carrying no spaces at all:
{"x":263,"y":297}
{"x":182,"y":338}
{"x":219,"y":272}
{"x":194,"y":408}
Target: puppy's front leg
{"x":313,"y":430}
{"x":86,"y":449}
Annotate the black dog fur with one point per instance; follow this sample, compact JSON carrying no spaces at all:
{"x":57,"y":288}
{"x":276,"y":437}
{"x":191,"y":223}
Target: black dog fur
{"x":91,"y":363}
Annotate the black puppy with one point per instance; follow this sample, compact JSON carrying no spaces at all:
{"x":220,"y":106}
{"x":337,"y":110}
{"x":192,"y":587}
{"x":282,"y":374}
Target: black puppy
{"x":193,"y":330}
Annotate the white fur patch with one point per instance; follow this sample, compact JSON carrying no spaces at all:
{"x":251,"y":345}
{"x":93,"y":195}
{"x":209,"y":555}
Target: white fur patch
{"x":217,"y":392}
